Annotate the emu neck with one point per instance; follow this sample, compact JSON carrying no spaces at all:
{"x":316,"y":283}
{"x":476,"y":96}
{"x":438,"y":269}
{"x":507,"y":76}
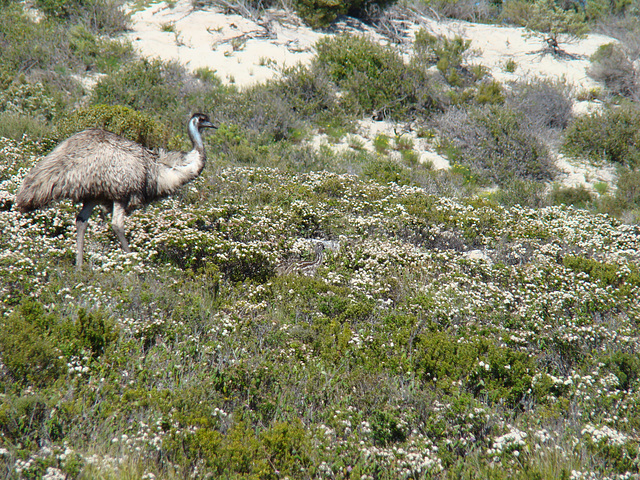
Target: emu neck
{"x":179,"y":168}
{"x":196,"y":138}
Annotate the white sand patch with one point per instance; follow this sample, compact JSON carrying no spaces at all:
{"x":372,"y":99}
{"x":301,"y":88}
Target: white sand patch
{"x":575,"y":173}
{"x":239,"y":50}
{"x":495,"y":45}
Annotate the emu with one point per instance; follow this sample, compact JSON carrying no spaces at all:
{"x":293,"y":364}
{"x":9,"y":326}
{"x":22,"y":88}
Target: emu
{"x":97,"y":167}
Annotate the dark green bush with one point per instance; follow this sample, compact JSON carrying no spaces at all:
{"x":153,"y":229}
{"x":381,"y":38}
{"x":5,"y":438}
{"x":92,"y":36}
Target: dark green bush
{"x":96,"y":52}
{"x":446,"y":54}
{"x":579,"y":197}
{"x":48,"y":44}
{"x":265,"y":111}
{"x":163,"y":89}
{"x":612,"y":135}
{"x":35,"y":346}
{"x":521,"y":192}
{"x":373,"y":77}
{"x":28,"y":348}
{"x":628,"y":191}
{"x":124,"y":121}
{"x":320,"y":13}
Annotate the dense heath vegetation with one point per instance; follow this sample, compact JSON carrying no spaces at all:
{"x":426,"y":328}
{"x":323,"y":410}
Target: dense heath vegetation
{"x":478,"y":322}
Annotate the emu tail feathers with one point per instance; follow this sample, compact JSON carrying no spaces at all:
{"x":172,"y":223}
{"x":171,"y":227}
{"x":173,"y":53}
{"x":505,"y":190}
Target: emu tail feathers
{"x":44,"y":184}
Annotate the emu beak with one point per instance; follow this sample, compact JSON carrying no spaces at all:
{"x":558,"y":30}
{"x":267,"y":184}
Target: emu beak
{"x":208,"y":124}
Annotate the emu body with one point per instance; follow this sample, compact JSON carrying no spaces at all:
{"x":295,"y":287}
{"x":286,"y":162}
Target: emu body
{"x":95,"y":167}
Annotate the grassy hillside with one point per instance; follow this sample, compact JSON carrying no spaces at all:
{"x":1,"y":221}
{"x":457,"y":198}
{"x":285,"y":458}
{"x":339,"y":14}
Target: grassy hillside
{"x":448,"y":333}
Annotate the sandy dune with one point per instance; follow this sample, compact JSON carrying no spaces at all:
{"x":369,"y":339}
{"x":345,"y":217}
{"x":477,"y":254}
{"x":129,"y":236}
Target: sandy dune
{"x":245,"y":51}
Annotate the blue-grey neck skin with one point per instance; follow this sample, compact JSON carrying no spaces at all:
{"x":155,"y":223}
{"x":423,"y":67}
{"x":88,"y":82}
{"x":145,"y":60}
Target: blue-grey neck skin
{"x":194,"y":134}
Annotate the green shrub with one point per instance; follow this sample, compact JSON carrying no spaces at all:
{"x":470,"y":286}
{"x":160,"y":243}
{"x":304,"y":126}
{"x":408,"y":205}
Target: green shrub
{"x":35,"y":346}
{"x":521,"y":192}
{"x":612,"y":135}
{"x":163,"y":89}
{"x":320,"y":13}
{"x":124,"y":121}
{"x":626,"y":367}
{"x":29,"y":350}
{"x":373,"y":77}
{"x":387,"y":428}
{"x":446,"y":54}
{"x":628,"y":191}
{"x":490,"y":93}
{"x":28,"y":99}
{"x":577,"y":196}
{"x":265,"y":113}
{"x":97,"y":52}
{"x":104,"y":16}
{"x":309,"y":93}
{"x":48,"y":44}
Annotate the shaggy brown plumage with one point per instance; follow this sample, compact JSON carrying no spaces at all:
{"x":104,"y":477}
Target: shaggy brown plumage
{"x":99,"y":167}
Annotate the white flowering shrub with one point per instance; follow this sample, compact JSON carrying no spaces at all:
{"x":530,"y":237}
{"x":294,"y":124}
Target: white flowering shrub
{"x":436,"y":336}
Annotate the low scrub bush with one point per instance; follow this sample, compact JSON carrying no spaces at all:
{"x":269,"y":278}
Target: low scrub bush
{"x":48,"y":43}
{"x":496,"y":144}
{"x":265,"y":112}
{"x":36,"y":346}
{"x":320,"y":13}
{"x":544,"y":103}
{"x":98,"y":52}
{"x":163,"y":89}
{"x":104,"y":16}
{"x":577,"y":196}
{"x":136,"y":126}
{"x":612,"y":135}
{"x":446,"y":54}
{"x":373,"y":77}
{"x":611,"y":65}
{"x":628,"y":191}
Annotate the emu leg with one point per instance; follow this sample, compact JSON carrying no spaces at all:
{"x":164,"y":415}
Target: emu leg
{"x":81,"y":226}
{"x":117,"y":223}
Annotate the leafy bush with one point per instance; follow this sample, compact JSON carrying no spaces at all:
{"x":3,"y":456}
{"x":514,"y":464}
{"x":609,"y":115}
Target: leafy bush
{"x":446,"y":54}
{"x":495,"y":143}
{"x":162,"y":89}
{"x":612,"y":135}
{"x":628,"y":191}
{"x":28,"y":350}
{"x":521,"y":192}
{"x":28,"y":99}
{"x":97,"y":52}
{"x":48,"y":44}
{"x":577,"y":196}
{"x":265,"y":111}
{"x":373,"y":77}
{"x":320,"y":13}
{"x":124,"y":121}
{"x":104,"y":16}
{"x":555,"y":23}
